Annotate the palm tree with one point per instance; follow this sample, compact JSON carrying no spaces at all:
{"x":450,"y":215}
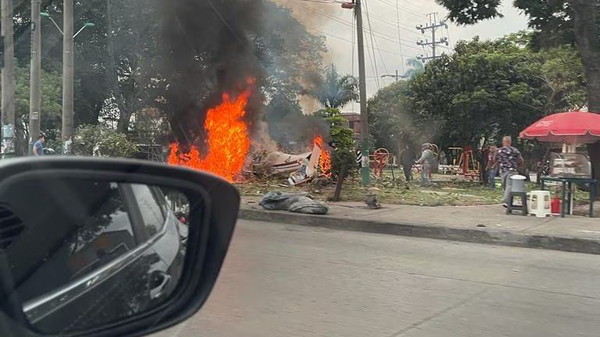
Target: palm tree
{"x":416,"y":67}
{"x":335,"y":90}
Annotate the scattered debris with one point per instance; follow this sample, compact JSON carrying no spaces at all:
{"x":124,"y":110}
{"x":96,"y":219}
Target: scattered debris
{"x":372,"y":201}
{"x":301,"y":168}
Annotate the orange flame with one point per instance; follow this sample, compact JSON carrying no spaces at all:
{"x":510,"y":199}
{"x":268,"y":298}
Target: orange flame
{"x":228,"y":141}
{"x":325,"y":158}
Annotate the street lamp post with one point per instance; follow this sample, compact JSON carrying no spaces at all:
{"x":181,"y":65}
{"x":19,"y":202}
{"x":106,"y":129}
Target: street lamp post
{"x":68,"y":68}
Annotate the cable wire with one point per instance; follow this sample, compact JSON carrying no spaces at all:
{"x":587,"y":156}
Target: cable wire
{"x":402,"y":61}
{"x":374,"y":41}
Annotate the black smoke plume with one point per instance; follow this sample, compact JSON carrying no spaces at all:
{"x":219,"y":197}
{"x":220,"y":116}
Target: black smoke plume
{"x":209,"y":49}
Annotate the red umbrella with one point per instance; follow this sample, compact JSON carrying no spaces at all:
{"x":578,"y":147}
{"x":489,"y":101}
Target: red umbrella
{"x":565,"y":127}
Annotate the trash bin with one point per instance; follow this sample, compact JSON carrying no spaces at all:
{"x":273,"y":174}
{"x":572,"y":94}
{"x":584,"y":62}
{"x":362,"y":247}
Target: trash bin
{"x":518,"y":183}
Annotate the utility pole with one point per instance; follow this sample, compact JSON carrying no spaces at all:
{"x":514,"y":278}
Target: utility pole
{"x":362,"y":86}
{"x":397,"y":76}
{"x":35,"y":88}
{"x":8,"y":79}
{"x":68,"y":78}
{"x":362,"y":83}
{"x":432,"y":26}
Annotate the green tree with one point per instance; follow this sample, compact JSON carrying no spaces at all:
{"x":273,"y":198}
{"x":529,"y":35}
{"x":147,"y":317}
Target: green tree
{"x":392,"y":121}
{"x":342,"y":138}
{"x":555,"y":22}
{"x":97,"y":140}
{"x":125,"y":63}
{"x":51,"y":107}
{"x":334,"y":90}
{"x":390,"y":118}
{"x":484,"y":88}
{"x":416,"y":67}
{"x":563,"y":72}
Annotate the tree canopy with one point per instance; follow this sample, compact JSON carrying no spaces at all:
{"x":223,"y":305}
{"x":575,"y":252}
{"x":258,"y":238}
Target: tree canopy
{"x":556,"y":22}
{"x":483,"y":90}
{"x":120,"y":62}
{"x":334,"y":90}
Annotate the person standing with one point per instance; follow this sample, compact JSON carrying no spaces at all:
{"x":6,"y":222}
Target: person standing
{"x":508,"y":159}
{"x":38,"y":147}
{"x":491,"y":167}
{"x":407,"y":158}
{"x":426,"y":162}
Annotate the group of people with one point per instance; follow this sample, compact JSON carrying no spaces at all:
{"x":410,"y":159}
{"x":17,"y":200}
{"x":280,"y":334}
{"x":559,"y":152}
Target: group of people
{"x":427,"y":159}
{"x":504,"y":161}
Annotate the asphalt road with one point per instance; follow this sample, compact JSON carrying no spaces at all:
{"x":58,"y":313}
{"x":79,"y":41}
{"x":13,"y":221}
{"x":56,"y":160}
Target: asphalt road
{"x":283,"y":280}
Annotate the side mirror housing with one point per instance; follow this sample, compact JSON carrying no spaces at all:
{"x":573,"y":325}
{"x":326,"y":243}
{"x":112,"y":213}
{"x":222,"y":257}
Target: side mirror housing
{"x":108,"y":247}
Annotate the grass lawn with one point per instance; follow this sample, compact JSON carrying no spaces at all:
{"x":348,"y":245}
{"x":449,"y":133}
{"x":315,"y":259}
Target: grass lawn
{"x":447,"y":190}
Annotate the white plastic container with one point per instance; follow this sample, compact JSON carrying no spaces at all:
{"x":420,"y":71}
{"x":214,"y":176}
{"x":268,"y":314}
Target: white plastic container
{"x":518,"y":183}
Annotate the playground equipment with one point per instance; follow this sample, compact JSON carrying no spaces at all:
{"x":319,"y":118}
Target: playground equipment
{"x":380,"y":159}
{"x":436,"y":150}
{"x":470,"y":167}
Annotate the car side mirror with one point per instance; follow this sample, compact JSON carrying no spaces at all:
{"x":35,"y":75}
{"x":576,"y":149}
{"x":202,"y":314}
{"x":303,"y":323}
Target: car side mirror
{"x":108,"y":247}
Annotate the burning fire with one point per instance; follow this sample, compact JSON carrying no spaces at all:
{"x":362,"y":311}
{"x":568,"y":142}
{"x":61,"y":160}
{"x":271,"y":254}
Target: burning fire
{"x":228,"y":141}
{"x":325,"y":158}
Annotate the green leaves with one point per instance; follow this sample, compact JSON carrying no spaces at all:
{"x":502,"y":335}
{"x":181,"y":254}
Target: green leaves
{"x":484,"y":89}
{"x":468,"y":12}
{"x":335,"y":90}
{"x":96,"y":140}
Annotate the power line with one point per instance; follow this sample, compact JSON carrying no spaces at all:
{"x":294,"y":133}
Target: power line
{"x":399,"y":39}
{"x":374,"y":43}
{"x":373,"y":47}
{"x":418,"y":6}
{"x":349,"y":41}
{"x":336,"y":19}
{"x":371,"y":60}
{"x":406,"y":10}
{"x":397,"y":24}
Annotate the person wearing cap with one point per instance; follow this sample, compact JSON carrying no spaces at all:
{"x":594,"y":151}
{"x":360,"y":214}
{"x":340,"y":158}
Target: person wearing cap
{"x":38,"y":147}
{"x":426,"y":161}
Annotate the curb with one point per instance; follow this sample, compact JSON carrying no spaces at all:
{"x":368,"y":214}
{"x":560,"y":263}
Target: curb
{"x":500,"y":238}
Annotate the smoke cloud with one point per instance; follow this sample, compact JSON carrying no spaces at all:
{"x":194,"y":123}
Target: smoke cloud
{"x":208,"y":50}
{"x":212,"y":47}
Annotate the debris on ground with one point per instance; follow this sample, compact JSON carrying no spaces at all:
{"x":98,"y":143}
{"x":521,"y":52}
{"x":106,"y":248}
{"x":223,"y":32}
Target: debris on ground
{"x":293,"y":202}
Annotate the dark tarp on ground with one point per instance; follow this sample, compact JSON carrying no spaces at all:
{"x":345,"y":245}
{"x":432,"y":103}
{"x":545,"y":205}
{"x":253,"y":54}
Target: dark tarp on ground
{"x":293,"y":202}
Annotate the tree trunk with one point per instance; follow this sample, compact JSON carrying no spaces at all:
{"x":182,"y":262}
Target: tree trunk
{"x":123,"y":122}
{"x":124,"y":113}
{"x":588,"y":43}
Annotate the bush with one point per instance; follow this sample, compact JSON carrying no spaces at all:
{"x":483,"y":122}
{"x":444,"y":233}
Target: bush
{"x":342,"y":138}
{"x":96,"y":140}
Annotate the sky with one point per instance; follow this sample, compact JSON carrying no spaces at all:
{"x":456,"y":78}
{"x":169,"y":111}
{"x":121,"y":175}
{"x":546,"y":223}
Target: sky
{"x":390,"y":33}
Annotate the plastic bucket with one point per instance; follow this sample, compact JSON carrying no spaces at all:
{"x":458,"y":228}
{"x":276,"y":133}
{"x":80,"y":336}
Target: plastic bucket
{"x":518,"y":183}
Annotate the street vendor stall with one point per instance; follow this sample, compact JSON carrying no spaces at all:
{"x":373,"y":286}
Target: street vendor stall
{"x":568,"y":168}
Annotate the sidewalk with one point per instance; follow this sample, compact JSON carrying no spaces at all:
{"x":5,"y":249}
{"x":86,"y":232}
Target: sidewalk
{"x":478,"y":224}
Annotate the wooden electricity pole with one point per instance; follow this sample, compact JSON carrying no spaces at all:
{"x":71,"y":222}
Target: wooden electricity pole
{"x":8,"y":79}
{"x":35,"y":88}
{"x":68,"y":77}
{"x":364,"y":118}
